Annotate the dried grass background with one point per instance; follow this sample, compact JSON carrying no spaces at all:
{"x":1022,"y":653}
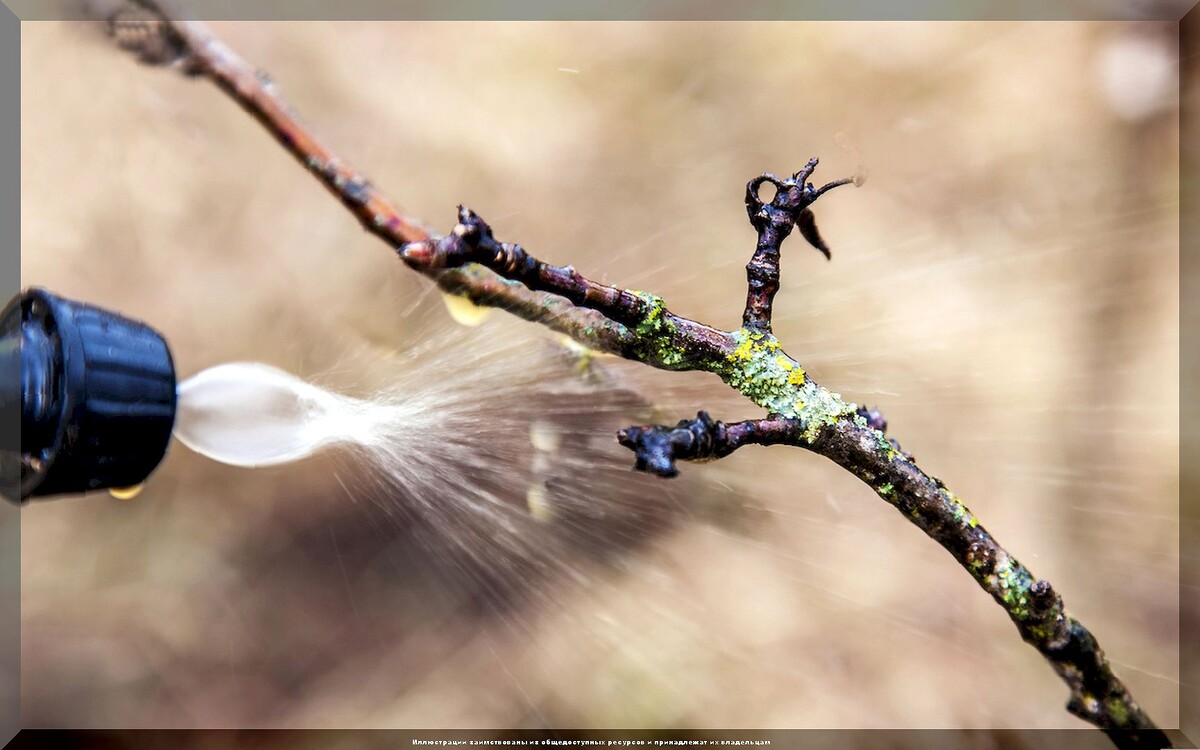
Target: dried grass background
{"x":1004,"y":288}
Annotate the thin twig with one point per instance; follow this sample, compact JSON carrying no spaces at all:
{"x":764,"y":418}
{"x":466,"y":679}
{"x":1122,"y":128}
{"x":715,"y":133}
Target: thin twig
{"x":638,"y":326}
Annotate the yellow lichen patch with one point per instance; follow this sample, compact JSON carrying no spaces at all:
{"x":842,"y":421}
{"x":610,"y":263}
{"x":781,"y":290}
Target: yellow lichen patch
{"x":758,"y":368}
{"x":464,"y":311}
{"x":753,"y":344}
{"x":742,"y":351}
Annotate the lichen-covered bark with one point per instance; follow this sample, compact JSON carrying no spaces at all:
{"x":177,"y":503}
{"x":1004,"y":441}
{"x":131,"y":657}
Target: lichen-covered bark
{"x":1097,"y":695}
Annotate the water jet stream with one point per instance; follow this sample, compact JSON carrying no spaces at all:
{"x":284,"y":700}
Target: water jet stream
{"x":251,"y":414}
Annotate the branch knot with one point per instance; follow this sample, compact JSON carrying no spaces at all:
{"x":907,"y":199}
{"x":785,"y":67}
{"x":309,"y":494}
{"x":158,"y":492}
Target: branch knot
{"x":657,"y":447}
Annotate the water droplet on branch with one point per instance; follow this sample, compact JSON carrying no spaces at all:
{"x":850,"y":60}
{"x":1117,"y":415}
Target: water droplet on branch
{"x":464,"y":311}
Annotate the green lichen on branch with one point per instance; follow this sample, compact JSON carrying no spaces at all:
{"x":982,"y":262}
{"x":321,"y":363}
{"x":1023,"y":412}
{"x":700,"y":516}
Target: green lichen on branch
{"x":1012,"y":586}
{"x":760,"y":370}
{"x":657,"y":342}
{"x":959,"y":511}
{"x":1010,"y":582}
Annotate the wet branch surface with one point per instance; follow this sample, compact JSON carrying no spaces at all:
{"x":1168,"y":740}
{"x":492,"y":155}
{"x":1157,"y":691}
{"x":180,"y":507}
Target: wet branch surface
{"x":470,"y":261}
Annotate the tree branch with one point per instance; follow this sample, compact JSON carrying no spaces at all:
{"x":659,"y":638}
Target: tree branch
{"x":773,"y":220}
{"x":637,"y":325}
{"x":1097,"y":695}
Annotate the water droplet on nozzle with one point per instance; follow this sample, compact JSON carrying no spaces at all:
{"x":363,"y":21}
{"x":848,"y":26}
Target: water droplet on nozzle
{"x":126,"y":493}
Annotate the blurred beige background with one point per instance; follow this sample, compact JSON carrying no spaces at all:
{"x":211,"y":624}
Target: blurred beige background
{"x":1004,"y":288}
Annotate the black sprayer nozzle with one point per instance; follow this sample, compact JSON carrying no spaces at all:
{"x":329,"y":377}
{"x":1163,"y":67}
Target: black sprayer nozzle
{"x":96,"y":395}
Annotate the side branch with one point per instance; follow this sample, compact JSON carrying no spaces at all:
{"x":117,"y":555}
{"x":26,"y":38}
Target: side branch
{"x":657,"y":448}
{"x":857,"y":444}
{"x":773,"y":220}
